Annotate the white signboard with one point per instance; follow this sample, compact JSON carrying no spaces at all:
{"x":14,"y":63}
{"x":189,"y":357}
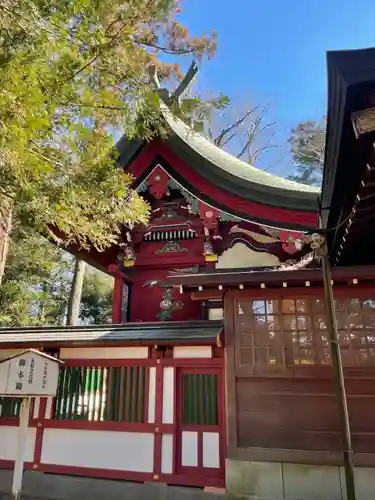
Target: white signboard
{"x":30,"y":373}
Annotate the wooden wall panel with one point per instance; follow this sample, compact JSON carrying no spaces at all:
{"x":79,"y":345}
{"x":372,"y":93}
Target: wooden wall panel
{"x":302,"y":414}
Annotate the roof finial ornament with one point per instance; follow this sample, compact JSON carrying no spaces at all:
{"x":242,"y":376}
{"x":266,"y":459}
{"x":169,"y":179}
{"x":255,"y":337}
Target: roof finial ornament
{"x":183,"y":88}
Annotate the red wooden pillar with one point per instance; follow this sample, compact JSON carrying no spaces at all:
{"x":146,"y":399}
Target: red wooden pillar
{"x":117,"y":295}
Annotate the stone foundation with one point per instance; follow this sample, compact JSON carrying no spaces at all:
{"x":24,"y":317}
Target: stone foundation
{"x":281,"y":481}
{"x":39,"y":486}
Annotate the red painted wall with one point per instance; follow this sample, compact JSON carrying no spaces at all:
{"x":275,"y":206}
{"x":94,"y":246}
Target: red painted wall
{"x":145,"y":299}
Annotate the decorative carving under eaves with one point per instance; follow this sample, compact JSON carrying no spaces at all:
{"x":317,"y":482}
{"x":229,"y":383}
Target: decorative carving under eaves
{"x":167,"y":305}
{"x":185,"y":270}
{"x":167,"y":214}
{"x":157,"y":183}
{"x":291,"y":241}
{"x":171,"y":247}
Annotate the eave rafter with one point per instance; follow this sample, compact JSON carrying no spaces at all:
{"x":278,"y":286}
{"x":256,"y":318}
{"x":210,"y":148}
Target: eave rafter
{"x":358,"y":218}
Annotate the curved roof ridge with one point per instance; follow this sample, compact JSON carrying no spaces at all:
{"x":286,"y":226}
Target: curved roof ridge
{"x":229,"y":163}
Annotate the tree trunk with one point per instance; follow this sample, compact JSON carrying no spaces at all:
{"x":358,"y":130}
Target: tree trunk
{"x":76,"y":292}
{"x":5,"y":228}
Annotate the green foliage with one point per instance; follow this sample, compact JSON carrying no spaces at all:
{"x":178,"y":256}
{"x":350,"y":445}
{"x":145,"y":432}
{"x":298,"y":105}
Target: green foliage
{"x":72,"y":71}
{"x":307,"y":145}
{"x":197,"y":112}
{"x":37,"y":281}
{"x":97,"y":297}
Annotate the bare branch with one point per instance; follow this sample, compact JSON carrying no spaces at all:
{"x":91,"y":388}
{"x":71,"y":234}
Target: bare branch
{"x":236,"y":124}
{"x":179,"y":52}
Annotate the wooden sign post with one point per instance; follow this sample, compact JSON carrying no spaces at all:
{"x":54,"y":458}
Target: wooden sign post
{"x":28,"y":374}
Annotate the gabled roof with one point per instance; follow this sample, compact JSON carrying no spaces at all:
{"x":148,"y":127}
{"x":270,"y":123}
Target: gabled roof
{"x":228,"y":174}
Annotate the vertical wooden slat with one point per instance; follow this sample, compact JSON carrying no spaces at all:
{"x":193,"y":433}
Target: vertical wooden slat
{"x":94,"y":388}
{"x":121,"y":394}
{"x":108,"y":394}
{"x":130,"y":394}
{"x":135,"y":397}
{"x":191,"y":399}
{"x":143,"y":387}
{"x":99,"y":393}
{"x":84,"y":392}
{"x":70,"y":393}
{"x":115,"y":398}
{"x":208,"y":398}
{"x":101,"y":390}
{"x":125,"y":393}
{"x":196,"y":399}
{"x":66,"y":393}
{"x":214,"y":400}
{"x":8,"y":403}
{"x":59,"y":392}
{"x":88,"y":391}
{"x":118,"y":393}
{"x":113,"y":394}
{"x":76,"y":393}
{"x":203,"y":399}
{"x":185,"y":399}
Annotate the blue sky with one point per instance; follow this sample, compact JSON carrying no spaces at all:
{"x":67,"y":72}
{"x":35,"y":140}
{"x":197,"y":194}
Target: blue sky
{"x":274,"y":51}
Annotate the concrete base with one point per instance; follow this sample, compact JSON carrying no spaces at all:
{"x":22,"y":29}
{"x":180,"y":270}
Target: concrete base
{"x":280,"y":481}
{"x":39,"y":486}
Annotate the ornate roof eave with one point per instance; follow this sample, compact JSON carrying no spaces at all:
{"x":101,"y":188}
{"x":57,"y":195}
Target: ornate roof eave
{"x":193,"y":200}
{"x":220,"y":169}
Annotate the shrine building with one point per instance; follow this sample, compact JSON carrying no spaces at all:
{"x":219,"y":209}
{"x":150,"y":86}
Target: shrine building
{"x":217,"y":368}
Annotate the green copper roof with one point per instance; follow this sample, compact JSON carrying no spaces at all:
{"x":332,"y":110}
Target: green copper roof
{"x":227,"y":173}
{"x":230,"y":163}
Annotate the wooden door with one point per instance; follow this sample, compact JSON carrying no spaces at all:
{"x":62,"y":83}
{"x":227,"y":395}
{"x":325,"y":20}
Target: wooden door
{"x":200,"y":439}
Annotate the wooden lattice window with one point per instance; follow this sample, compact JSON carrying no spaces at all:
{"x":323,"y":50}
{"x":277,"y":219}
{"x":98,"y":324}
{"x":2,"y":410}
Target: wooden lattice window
{"x":259,"y":334}
{"x":114,"y":394}
{"x":356,"y":328}
{"x":293,"y":331}
{"x":305,"y":331}
{"x":200,"y":399}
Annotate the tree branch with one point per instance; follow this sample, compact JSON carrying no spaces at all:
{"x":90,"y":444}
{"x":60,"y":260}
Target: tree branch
{"x":236,"y":124}
{"x":12,"y":14}
{"x":179,"y":52}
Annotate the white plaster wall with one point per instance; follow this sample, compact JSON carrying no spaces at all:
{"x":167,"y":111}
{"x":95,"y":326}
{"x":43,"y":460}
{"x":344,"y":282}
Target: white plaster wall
{"x":211,"y":454}
{"x":8,"y":443}
{"x":167,"y":454}
{"x":168,"y":395}
{"x":189,"y":448}
{"x":242,"y":256}
{"x":215,"y":314}
{"x":104,"y":352}
{"x":192,"y":351}
{"x":131,"y":451}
